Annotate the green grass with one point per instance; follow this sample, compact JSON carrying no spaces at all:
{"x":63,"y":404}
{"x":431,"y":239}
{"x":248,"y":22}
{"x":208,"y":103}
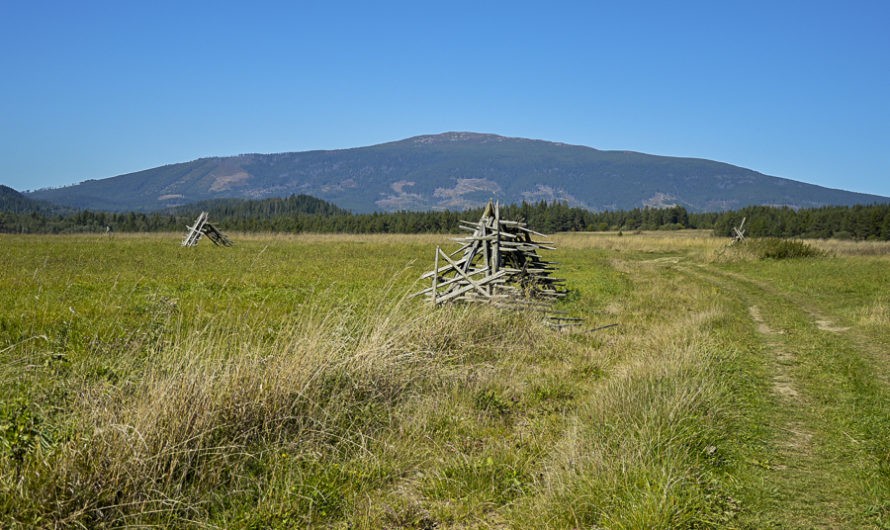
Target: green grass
{"x":289,"y":382}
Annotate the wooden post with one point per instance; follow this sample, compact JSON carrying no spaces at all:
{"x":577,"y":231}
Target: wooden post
{"x":739,"y":231}
{"x":195,"y":231}
{"x":435,"y":293}
{"x":497,"y":241}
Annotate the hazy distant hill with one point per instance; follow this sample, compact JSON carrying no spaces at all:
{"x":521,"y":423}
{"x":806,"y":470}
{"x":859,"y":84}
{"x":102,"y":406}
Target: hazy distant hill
{"x":455,"y":171}
{"x":15,"y":202}
{"x":259,"y":208}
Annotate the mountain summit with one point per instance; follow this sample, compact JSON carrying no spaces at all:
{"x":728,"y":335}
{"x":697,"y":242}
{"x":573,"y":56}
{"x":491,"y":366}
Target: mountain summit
{"x":454,"y":170}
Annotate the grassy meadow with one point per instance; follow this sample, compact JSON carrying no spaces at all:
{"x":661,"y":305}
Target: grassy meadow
{"x":290,"y":382}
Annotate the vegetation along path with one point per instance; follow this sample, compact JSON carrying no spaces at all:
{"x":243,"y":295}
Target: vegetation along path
{"x":825,"y":460}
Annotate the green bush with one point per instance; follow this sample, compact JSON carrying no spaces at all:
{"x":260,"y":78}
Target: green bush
{"x":775,"y":248}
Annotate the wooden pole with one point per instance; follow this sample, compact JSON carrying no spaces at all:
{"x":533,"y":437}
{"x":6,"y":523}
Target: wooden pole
{"x":497,"y":240}
{"x":436,"y":275}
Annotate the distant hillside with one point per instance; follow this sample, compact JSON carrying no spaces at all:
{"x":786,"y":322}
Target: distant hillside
{"x":455,"y":171}
{"x":260,"y":208}
{"x":12,"y":201}
{"x":301,"y":213}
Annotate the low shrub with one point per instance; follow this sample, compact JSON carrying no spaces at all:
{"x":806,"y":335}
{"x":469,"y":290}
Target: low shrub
{"x":775,"y":248}
{"x":771,"y":248}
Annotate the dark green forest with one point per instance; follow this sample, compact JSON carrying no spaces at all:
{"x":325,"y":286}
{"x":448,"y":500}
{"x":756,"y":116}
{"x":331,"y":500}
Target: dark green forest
{"x":302,"y":213}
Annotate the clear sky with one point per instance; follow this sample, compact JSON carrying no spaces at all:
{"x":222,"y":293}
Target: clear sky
{"x":796,"y":89}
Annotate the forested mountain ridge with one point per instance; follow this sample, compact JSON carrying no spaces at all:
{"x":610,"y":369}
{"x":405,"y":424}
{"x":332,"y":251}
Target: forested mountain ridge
{"x":302,"y":213}
{"x":454,"y":171}
{"x":13,"y":201}
{"x":260,"y":209}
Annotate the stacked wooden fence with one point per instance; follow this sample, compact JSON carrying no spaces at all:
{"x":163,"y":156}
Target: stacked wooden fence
{"x":497,"y":263}
{"x":201,"y":228}
{"x":739,"y":232}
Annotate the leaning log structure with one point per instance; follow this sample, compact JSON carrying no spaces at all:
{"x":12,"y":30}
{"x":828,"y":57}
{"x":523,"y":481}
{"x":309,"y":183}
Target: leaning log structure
{"x":497,"y":263}
{"x":201,"y":228}
{"x":739,"y":232}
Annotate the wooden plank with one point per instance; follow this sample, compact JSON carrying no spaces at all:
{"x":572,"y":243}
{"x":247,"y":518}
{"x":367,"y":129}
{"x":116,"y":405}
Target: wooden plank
{"x":486,"y":251}
{"x":450,"y":281}
{"x":195,"y":231}
{"x":458,"y":251}
{"x":466,"y":288}
{"x":442,"y":270}
{"x":489,"y":237}
{"x":530,"y":231}
{"x":215,"y":235}
{"x":436,"y":276}
{"x":469,"y":255}
{"x":603,"y":327}
{"x":496,"y":245}
{"x":465,"y":275}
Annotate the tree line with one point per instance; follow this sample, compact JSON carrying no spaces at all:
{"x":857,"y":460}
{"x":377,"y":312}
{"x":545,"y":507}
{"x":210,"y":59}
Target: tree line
{"x":301,"y":213}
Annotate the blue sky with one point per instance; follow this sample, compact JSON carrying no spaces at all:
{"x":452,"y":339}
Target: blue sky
{"x":797,"y":89}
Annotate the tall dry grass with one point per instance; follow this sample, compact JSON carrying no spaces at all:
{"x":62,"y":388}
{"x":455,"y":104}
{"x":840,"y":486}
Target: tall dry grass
{"x":694,"y":243}
{"x":638,"y":453}
{"x":204,"y":413}
{"x":647,"y":443}
{"x":839,"y":247}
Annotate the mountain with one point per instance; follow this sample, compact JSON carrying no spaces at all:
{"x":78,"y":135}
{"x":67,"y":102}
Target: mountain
{"x":454,"y":170}
{"x":12,"y":201}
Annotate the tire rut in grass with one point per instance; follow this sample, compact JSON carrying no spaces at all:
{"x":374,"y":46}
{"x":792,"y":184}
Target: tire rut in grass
{"x":875,"y":349}
{"x":820,"y":320}
{"x":828,"y":384}
{"x":783,"y":382}
{"x":792,"y":466}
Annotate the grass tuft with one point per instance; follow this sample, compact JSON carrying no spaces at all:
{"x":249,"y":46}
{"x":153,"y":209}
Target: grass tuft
{"x":770,"y":248}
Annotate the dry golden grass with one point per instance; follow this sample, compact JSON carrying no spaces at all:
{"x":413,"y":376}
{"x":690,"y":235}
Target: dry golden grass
{"x":876,"y":314}
{"x":696,"y":242}
{"x":852,"y":248}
